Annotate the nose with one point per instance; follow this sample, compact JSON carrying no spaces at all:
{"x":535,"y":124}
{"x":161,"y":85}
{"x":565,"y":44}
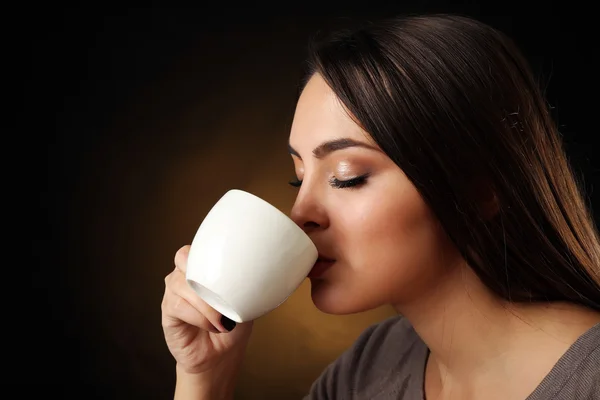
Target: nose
{"x":308,"y":212}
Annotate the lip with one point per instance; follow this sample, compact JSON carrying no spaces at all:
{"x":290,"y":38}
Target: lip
{"x":321,"y":265}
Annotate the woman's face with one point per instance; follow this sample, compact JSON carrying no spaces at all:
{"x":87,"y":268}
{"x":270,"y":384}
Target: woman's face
{"x":361,"y":211}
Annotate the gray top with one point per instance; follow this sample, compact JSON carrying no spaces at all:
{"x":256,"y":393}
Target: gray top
{"x":388,"y":359}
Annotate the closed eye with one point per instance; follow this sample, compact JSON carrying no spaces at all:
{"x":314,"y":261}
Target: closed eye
{"x":348,"y":183}
{"x":337,"y":183}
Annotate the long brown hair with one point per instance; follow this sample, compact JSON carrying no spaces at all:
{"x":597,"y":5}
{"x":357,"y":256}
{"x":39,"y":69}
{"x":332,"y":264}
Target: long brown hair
{"x":453,"y":102}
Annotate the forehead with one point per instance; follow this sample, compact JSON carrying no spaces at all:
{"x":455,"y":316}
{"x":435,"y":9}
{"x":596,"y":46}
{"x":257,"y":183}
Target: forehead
{"x":320,"y":116}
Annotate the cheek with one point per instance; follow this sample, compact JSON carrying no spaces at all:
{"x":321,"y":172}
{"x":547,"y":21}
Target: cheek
{"x":397,"y":244}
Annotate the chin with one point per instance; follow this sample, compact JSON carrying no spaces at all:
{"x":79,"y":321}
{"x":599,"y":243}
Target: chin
{"x":337,"y":299}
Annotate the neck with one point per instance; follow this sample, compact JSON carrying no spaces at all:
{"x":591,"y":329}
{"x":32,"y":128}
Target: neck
{"x":474,"y":337}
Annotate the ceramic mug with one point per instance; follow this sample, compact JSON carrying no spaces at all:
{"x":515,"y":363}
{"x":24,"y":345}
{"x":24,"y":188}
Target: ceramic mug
{"x":247,"y":257}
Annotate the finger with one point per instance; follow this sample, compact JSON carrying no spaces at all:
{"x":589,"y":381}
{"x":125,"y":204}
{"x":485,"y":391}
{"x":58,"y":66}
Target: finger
{"x":178,"y":285}
{"x":181,"y":257}
{"x":176,"y":310}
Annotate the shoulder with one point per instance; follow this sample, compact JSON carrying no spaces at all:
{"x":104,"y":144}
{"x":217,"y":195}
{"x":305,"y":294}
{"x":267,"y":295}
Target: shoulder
{"x":386,"y":356}
{"x":582,"y":365}
{"x":577,"y":374}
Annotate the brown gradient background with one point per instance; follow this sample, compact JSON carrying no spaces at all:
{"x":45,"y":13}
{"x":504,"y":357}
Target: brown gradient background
{"x":138,"y":121}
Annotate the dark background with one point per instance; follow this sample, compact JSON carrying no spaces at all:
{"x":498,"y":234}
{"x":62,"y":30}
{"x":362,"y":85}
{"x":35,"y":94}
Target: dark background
{"x":135,"y":121}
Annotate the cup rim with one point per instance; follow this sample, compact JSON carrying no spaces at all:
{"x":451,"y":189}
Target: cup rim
{"x":281,"y":213}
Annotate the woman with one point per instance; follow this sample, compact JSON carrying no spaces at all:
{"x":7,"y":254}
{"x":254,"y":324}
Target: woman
{"x":432,"y":178}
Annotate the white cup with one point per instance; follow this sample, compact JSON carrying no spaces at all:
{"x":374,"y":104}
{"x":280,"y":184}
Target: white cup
{"x":247,"y":257}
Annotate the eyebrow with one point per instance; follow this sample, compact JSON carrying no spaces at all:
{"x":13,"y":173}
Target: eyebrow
{"x":326,"y":148}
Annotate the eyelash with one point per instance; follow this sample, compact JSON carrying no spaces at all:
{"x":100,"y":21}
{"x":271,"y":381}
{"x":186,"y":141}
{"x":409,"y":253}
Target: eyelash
{"x":339,"y":184}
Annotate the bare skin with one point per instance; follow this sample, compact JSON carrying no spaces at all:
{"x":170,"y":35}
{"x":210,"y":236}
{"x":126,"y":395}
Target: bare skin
{"x":389,"y":249}
{"x":207,"y":355}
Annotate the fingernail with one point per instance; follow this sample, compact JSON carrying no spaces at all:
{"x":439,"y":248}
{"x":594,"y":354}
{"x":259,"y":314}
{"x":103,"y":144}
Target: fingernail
{"x":227,"y":323}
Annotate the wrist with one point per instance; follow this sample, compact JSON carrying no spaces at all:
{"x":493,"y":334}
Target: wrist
{"x":204,"y":385}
